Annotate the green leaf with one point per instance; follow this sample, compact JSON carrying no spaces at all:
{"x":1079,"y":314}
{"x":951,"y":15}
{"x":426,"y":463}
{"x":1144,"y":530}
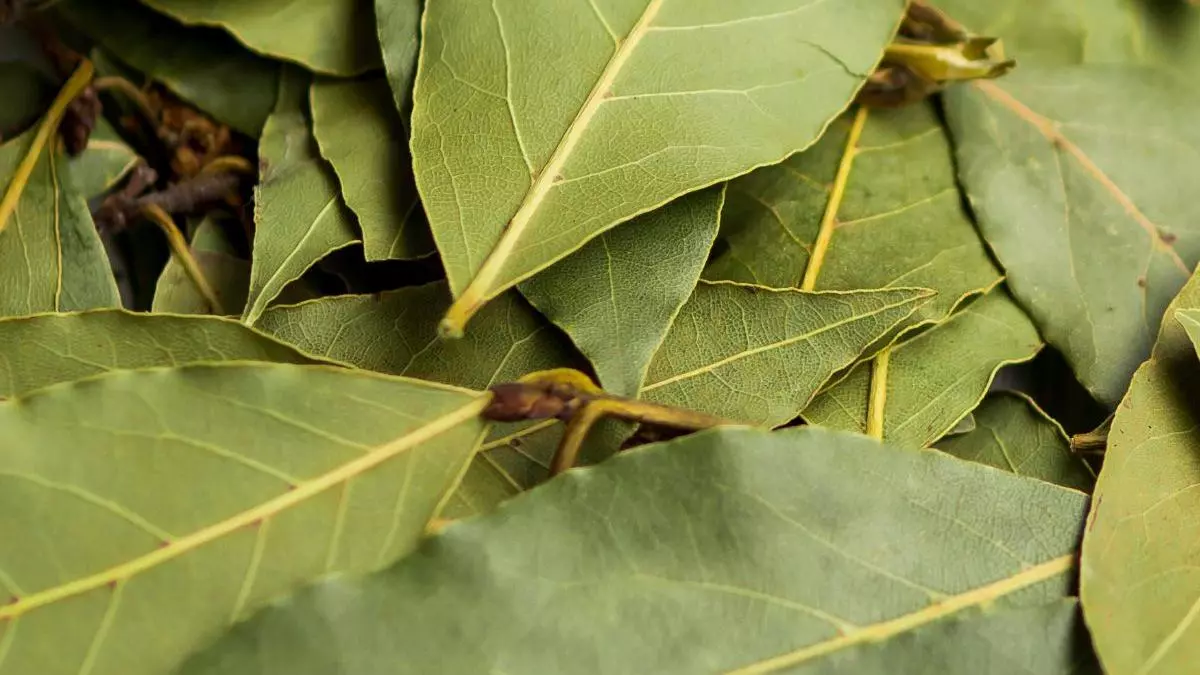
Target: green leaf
{"x":104,"y":162}
{"x":618,"y":295}
{"x":935,"y":377}
{"x":202,"y":65}
{"x":328,"y":36}
{"x":1013,"y":434}
{"x":399,"y":26}
{"x":181,"y":499}
{"x":731,"y":551}
{"x":51,"y":258}
{"x":758,"y":355}
{"x":299,"y":215}
{"x":1080,"y":179}
{"x":597,"y":112}
{"x":52,"y":348}
{"x":900,"y":221}
{"x":228,"y":276}
{"x":396,"y":333}
{"x":1138,"y":582}
{"x":359,"y":131}
{"x":27,"y":93}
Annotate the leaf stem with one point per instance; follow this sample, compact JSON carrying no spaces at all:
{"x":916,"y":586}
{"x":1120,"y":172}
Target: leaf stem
{"x":829,"y":220}
{"x":877,"y":401}
{"x":183,"y":254}
{"x":76,"y":83}
{"x":132,"y":91}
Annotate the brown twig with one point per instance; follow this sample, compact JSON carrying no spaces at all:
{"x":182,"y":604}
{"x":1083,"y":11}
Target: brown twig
{"x":192,"y":196}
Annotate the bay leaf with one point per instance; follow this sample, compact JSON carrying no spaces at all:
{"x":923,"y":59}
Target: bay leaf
{"x":618,"y":296}
{"x":27,"y":93}
{"x":1138,"y":579}
{"x":399,"y":25}
{"x":396,"y":333}
{"x":228,"y":275}
{"x":1064,"y":169}
{"x":359,"y":132}
{"x":731,"y":551}
{"x":105,"y":161}
{"x":51,"y":258}
{"x":934,"y":377}
{"x":1013,"y":434}
{"x":299,"y":214}
{"x":585,"y":129}
{"x":899,"y":222}
{"x":757,"y":355}
{"x":181,"y":499}
{"x":327,"y":36}
{"x":204,"y":66}
{"x":48,"y":349}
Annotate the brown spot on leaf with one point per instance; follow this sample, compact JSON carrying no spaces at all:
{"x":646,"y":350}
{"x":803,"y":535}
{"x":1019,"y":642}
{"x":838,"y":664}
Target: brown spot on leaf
{"x":1167,"y":237}
{"x":1141,"y":282}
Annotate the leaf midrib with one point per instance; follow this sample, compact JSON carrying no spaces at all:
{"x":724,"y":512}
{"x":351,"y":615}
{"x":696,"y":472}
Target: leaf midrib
{"x":878,"y":632}
{"x":262,"y":512}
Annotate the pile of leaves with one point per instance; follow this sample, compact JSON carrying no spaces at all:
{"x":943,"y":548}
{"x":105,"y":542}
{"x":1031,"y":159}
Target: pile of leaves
{"x":638,"y":336}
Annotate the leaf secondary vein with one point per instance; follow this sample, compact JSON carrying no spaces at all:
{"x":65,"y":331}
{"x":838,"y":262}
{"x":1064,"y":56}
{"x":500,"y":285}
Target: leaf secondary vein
{"x":246,"y":518}
{"x":907,"y":622}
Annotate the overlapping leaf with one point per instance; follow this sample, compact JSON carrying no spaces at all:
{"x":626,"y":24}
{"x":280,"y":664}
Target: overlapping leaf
{"x":202,"y":65}
{"x":716,"y":553}
{"x":398,"y":23}
{"x":299,"y":214}
{"x":757,"y":355}
{"x":1139,"y":580}
{"x":27,"y":94}
{"x":226,"y":274}
{"x":51,"y":258}
{"x":586,"y":128}
{"x":396,"y":333}
{"x":899,"y":222}
{"x":618,"y":296}
{"x":936,"y":377}
{"x":1011,"y":433}
{"x":105,"y":161}
{"x":359,"y":131}
{"x":327,"y":36}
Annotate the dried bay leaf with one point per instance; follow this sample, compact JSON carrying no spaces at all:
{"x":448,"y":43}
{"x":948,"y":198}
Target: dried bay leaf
{"x":48,"y":349}
{"x":26,"y":92}
{"x":396,"y":333}
{"x":570,"y":156}
{"x":336,"y":37}
{"x":51,"y":258}
{"x":1013,"y":434}
{"x":618,"y":296}
{"x":228,"y":275}
{"x":1138,"y":580}
{"x":105,"y":161}
{"x":731,"y":551}
{"x":935,"y":377}
{"x":181,"y":499}
{"x":757,"y":355}
{"x":202,"y":65}
{"x":900,"y":221}
{"x":399,"y":25}
{"x":1067,"y":171}
{"x":299,"y":214}
{"x":359,"y":131}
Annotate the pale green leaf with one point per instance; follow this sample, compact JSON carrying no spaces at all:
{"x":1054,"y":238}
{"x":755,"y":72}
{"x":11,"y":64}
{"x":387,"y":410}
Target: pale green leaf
{"x":935,"y":377}
{"x":1013,"y":434}
{"x":730,"y":551}
{"x":299,"y":215}
{"x":1139,"y":579}
{"x":1080,"y":177}
{"x":900,"y":222}
{"x":327,"y":36}
{"x":50,"y":348}
{"x":757,"y":355}
{"x":145,"y":511}
{"x":103,"y":163}
{"x":202,"y":65}
{"x":596,"y":112}
{"x":228,"y":276}
{"x":359,"y":131}
{"x":51,"y":258}
{"x":399,"y":25}
{"x":396,"y":333}
{"x":618,"y":295}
